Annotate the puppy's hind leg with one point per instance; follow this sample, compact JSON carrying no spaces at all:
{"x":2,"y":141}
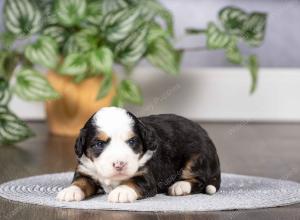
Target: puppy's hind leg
{"x":188,"y":181}
{"x":197,"y":177}
{"x":180,"y":188}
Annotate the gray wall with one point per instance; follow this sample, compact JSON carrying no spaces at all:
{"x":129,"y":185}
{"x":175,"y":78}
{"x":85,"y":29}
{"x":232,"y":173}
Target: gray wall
{"x":282,"y":43}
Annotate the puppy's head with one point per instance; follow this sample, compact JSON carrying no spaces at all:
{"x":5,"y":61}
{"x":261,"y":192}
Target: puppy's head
{"x":115,"y":143}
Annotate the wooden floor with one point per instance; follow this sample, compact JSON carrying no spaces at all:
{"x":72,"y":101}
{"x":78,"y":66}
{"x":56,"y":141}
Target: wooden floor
{"x":269,"y":150}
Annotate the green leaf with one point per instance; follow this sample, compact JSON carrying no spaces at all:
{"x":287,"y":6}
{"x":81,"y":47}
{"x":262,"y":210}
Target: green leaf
{"x":162,"y":54}
{"x":47,"y":8}
{"x":8,"y":63}
{"x":254,"y":29}
{"x":101,"y":60}
{"x":30,"y":85}
{"x":216,"y":39}
{"x":253,"y":66}
{"x":155,"y":32}
{"x":71,"y":46}
{"x":117,"y":101}
{"x":130,"y":92}
{"x":12,"y":129}
{"x":44,"y":52}
{"x":7,"y":39}
{"x":70,"y":12}
{"x":94,"y":14}
{"x":105,"y":87}
{"x":168,"y":18}
{"x":250,"y":27}
{"x":117,"y":25}
{"x":233,"y":19}
{"x":79,"y":78}
{"x":82,"y":41}
{"x":233,"y":53}
{"x":5,"y":93}
{"x":58,"y":33}
{"x":74,"y":64}
{"x":112,"y":6}
{"x":22,"y":17}
{"x":87,"y":39}
{"x":151,"y":9}
{"x":130,"y":50}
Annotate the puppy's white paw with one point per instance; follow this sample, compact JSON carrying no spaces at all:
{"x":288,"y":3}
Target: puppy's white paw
{"x":180,"y":188}
{"x":71,"y":193}
{"x":122,"y":193}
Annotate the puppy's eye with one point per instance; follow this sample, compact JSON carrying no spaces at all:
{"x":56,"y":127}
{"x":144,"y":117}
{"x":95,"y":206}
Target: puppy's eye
{"x":99,"y":145}
{"x":132,"y":141}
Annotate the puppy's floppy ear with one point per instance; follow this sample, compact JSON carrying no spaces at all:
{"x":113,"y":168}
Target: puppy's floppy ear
{"x":80,"y":143}
{"x":149,"y":136}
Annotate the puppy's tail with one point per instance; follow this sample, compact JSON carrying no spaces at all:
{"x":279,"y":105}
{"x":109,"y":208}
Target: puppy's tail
{"x":210,"y":189}
{"x":213,"y":185}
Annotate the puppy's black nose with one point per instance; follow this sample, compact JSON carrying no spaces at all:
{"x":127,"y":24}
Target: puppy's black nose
{"x":119,"y":165}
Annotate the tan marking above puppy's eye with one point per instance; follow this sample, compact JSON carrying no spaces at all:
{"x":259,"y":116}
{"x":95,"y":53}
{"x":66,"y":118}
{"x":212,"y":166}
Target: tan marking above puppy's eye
{"x":130,"y":135}
{"x":102,"y":136}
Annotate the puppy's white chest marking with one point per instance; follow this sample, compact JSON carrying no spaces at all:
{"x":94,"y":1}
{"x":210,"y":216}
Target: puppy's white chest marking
{"x":88,"y":167}
{"x":109,"y":185}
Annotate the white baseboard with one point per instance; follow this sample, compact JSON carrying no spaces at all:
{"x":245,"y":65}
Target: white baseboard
{"x":218,"y":94}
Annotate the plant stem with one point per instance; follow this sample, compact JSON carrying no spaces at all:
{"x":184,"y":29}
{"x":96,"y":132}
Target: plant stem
{"x":195,"y":31}
{"x":193,"y":49}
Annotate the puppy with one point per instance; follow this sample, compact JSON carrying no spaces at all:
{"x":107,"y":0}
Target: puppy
{"x":132,"y":158}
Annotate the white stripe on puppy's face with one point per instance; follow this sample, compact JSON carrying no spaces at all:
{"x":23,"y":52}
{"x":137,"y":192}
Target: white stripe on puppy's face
{"x":118,"y":127}
{"x":113,"y":121}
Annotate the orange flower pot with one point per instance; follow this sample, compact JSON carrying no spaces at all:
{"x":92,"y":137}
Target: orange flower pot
{"x":77,"y":103}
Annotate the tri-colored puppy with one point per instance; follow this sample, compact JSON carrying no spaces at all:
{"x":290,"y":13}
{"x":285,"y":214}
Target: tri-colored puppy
{"x":133,"y":158}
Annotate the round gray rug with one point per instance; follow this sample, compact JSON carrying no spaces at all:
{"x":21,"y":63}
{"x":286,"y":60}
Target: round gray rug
{"x":237,"y":192}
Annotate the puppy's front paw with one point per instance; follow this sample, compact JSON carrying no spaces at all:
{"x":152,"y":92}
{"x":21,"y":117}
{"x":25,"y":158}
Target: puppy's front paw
{"x":71,"y":193}
{"x":180,"y":188}
{"x":122,"y":193}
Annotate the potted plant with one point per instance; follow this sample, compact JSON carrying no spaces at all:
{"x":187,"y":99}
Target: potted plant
{"x":77,"y":42}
